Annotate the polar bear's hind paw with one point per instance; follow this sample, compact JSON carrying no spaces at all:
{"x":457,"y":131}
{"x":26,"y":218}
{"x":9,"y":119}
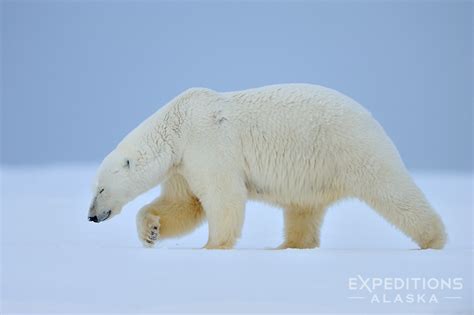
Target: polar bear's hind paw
{"x":435,"y":243}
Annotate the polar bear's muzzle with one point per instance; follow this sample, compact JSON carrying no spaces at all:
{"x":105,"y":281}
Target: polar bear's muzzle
{"x":96,"y":217}
{"x":99,"y":218}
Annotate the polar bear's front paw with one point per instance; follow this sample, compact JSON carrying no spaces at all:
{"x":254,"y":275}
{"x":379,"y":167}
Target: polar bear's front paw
{"x":148,"y":227}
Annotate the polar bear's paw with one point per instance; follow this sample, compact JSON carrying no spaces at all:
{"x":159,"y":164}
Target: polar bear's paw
{"x":220,"y":246}
{"x":436,"y":242}
{"x":148,"y":226}
{"x":298,"y":245}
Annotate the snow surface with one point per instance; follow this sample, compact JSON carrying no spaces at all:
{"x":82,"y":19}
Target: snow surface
{"x":54,"y":260}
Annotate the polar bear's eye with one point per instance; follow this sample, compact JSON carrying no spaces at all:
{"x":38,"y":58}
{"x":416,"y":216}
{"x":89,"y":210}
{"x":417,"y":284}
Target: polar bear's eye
{"x":101,"y":191}
{"x":127,"y":163}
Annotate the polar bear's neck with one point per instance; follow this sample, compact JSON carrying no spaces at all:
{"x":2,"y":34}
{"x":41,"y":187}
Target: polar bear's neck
{"x":161,"y":134}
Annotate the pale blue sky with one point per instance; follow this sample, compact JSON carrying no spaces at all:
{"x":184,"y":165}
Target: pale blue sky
{"x":78,"y":76}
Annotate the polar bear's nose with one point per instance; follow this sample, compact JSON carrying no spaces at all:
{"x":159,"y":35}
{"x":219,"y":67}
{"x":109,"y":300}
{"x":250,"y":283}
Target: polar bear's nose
{"x":100,"y":217}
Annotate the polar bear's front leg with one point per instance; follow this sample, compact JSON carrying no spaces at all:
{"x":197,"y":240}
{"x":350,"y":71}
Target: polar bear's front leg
{"x":224,"y":205}
{"x":148,"y":224}
{"x":165,"y":217}
{"x":225,"y":223}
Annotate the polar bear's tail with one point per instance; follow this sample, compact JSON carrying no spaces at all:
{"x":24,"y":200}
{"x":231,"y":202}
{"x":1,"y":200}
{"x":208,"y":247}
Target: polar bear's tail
{"x":401,"y":202}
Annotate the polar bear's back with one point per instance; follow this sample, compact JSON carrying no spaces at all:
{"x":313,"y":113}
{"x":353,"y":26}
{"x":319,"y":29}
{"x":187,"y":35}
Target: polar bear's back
{"x":308,"y":139}
{"x":299,"y":109}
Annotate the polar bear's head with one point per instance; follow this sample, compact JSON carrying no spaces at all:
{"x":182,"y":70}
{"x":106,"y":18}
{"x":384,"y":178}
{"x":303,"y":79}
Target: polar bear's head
{"x":127,"y":172}
{"x":141,"y":160}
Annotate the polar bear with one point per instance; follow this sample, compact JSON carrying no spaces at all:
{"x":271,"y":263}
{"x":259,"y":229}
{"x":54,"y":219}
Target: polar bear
{"x":300,"y":147}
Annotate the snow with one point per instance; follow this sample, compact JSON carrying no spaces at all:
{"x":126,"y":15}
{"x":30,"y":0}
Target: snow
{"x":54,"y":260}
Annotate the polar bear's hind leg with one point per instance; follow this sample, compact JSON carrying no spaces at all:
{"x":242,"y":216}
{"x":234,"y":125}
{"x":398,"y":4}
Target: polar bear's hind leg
{"x":302,"y":226}
{"x":402,"y":203}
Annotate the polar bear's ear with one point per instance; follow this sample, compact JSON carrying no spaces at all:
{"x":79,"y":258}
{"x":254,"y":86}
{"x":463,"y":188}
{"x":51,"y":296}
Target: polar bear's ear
{"x":127,"y":163}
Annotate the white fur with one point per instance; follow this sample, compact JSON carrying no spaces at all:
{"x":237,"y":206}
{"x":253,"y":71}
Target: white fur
{"x":298,"y":146}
